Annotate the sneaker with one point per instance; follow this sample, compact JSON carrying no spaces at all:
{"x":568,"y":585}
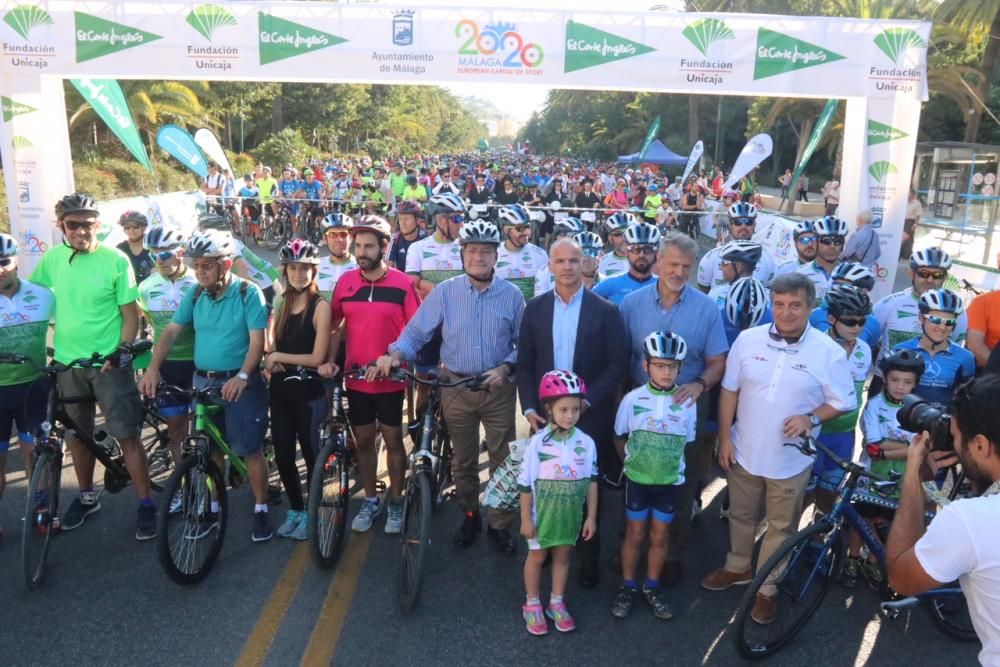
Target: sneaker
{"x":394,"y":517}
{"x":622,"y":606}
{"x":204,"y":524}
{"x":849,"y":577}
{"x":81,"y":507}
{"x":656,"y":600}
{"x":721,"y":579}
{"x":262,"y":530}
{"x":370,"y":509}
{"x":560,"y":616}
{"x":534,"y":619}
{"x":292,"y":520}
{"x":301,"y":532}
{"x":145,"y":527}
{"x":469,"y":529}
{"x":176,"y":503}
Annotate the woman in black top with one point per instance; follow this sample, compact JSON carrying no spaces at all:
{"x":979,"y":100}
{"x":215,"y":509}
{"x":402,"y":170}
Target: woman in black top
{"x":299,"y":337}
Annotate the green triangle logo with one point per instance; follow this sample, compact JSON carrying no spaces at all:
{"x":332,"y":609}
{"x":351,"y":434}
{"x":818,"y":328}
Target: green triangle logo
{"x":894,"y":41}
{"x":206,"y":18}
{"x":902,"y":314}
{"x":705,"y":32}
{"x":778,"y":53}
{"x":23,"y":18}
{"x":880,"y":133}
{"x":589,"y":47}
{"x":97,"y":37}
{"x":280,"y":39}
{"x":12,"y":108}
{"x":639,"y":409}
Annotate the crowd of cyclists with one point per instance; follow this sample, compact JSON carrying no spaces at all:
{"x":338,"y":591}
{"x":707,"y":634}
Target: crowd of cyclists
{"x":412,"y":268}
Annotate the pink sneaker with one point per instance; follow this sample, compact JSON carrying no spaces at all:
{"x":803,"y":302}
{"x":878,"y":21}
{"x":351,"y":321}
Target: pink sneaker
{"x":560,"y":615}
{"x":534,"y":620}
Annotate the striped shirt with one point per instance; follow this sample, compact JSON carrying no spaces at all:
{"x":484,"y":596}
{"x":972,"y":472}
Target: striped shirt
{"x":479,"y":328}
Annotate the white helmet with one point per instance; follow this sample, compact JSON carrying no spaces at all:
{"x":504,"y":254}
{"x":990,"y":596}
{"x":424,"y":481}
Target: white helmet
{"x":161,"y":237}
{"x":619,"y":221}
{"x":513,"y":214}
{"x":746,"y":303}
{"x":211,"y":243}
{"x":479,"y":231}
{"x":590,"y":243}
{"x":8,"y":245}
{"x":643,"y":234}
{"x":665,"y":345}
{"x":941,"y":299}
{"x":830,"y":226}
{"x":933,"y":258}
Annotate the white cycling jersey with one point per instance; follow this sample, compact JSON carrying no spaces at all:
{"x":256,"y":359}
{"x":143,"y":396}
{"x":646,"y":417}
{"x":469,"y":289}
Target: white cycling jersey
{"x":520,"y":266}
{"x":819,"y":277}
{"x":613,"y":265}
{"x":330,"y":271}
{"x":898,"y":317}
{"x":257,"y":270}
{"x":433,"y":260}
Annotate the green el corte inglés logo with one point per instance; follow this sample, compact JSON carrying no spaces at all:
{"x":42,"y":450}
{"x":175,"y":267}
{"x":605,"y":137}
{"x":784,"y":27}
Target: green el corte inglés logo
{"x":779,"y":54}
{"x":880,"y":133}
{"x":589,"y":47}
{"x":705,"y":32}
{"x":280,"y":39}
{"x":894,"y":41}
{"x":206,"y":18}
{"x":97,"y":37}
{"x":12,"y":108}
{"x":23,"y":18}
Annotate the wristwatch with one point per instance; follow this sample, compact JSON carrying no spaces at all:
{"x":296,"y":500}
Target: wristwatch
{"x":814,"y":420}
{"x":243,"y":376}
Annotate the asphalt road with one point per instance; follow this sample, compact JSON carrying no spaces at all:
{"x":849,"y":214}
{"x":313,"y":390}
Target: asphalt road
{"x":106,"y":601}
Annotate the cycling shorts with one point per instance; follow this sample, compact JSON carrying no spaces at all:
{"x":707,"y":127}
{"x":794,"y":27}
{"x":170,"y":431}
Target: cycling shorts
{"x":179,"y":374}
{"x":365,"y":409}
{"x":641,"y":499}
{"x":825,"y":473}
{"x":23,"y":406}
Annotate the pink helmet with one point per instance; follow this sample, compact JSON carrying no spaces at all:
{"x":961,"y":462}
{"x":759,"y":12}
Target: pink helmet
{"x":556,"y":384}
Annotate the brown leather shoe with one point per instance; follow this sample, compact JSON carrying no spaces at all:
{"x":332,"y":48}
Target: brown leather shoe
{"x":672,"y":572}
{"x":764,"y":609}
{"x":721,"y":579}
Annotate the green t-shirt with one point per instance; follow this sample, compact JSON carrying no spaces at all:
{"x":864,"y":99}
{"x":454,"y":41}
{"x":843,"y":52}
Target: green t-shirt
{"x":24,"y":325}
{"x":652,"y":203}
{"x":397,"y":182}
{"x":160,"y":298}
{"x":223,"y":325}
{"x":89,"y":292}
{"x":418,"y":193}
{"x":267,"y":186}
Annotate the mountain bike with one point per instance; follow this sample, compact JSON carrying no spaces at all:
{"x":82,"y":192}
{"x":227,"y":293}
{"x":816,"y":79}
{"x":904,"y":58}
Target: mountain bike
{"x":430,"y":474}
{"x":807,"y":563}
{"x":42,"y":505}
{"x":278,"y":228}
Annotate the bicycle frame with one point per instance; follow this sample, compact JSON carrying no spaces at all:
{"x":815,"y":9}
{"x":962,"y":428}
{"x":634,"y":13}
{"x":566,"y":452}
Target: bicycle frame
{"x":202,"y":424}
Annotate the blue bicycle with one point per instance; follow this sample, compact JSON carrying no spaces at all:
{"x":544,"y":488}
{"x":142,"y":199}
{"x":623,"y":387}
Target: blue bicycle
{"x":800,"y":572}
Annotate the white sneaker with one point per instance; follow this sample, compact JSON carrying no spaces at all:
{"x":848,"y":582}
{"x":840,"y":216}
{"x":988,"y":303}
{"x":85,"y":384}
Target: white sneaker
{"x":370,"y":509}
{"x":394,"y":517}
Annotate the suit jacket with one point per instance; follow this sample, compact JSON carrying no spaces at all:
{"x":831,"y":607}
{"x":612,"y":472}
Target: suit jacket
{"x":600,"y":357}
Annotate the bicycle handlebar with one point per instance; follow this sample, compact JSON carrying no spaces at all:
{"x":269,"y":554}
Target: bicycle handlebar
{"x":473,"y":382}
{"x":136,"y":348}
{"x":810,"y":445}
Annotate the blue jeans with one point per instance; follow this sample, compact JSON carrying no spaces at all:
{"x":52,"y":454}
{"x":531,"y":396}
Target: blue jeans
{"x":245,"y":422}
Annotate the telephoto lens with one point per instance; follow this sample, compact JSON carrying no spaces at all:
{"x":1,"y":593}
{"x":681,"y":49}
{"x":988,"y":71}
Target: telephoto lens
{"x":918,"y":415}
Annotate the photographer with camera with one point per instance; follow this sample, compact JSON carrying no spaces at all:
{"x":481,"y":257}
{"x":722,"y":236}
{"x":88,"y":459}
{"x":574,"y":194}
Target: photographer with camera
{"x":963,"y":540}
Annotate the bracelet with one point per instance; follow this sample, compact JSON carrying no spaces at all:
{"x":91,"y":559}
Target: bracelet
{"x":700,"y":381}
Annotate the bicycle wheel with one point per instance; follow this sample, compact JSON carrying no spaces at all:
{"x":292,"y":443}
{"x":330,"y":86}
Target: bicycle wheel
{"x":329,"y":502}
{"x":40,"y":509}
{"x":951,"y":614}
{"x":272,"y":234}
{"x":443,"y":479}
{"x":802,"y":570}
{"x":188,"y":542}
{"x":415,"y":540}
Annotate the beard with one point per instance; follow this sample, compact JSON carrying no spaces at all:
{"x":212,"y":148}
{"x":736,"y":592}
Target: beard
{"x":367,"y":263}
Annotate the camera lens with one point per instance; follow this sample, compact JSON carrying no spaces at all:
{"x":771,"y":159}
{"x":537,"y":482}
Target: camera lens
{"x":918,"y":415}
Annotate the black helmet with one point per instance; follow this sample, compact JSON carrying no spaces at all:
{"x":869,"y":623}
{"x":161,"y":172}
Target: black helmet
{"x":848,"y":300}
{"x":213,"y":221}
{"x":75,"y":203}
{"x":133,"y":216}
{"x":903,"y":360}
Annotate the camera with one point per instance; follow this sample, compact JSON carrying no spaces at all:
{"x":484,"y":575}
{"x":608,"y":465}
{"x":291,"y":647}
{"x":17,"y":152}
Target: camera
{"x":918,"y":415}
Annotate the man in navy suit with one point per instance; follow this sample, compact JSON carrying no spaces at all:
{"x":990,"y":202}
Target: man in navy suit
{"x":571,"y":328}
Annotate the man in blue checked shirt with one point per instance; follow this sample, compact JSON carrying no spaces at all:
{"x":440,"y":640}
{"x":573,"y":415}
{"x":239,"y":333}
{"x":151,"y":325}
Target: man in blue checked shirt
{"x":480,"y":316}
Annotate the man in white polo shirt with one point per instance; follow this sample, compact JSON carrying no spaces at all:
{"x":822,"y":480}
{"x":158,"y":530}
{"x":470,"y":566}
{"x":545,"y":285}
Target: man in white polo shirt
{"x":782,"y":381}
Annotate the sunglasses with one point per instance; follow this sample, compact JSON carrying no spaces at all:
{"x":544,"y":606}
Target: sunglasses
{"x":806,"y":240}
{"x":457,"y":218}
{"x":948,"y":322}
{"x":641,"y":249}
{"x":832,"y":240}
{"x":932,"y":274}
{"x":164,"y":255}
{"x":742,"y":222}
{"x":852,"y":321}
{"x":337,"y":235}
{"x":7,"y":261}
{"x":74,"y":225}
{"x":522,"y":228}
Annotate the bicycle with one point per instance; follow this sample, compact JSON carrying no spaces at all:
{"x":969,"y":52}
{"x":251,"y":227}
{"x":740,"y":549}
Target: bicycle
{"x":808,"y":562}
{"x":278,"y":228}
{"x":430,"y":474}
{"x":42,"y":504}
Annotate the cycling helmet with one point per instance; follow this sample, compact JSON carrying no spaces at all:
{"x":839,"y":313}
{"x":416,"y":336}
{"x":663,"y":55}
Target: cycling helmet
{"x":8,"y":245}
{"x":653,"y":187}
{"x":211,"y":243}
{"x":212,"y":221}
{"x":557,"y":384}
{"x":664,"y":345}
{"x":479,"y":231}
{"x":742,"y":210}
{"x":75,"y":203}
{"x":513,"y":214}
{"x":571,"y":226}
{"x":159,"y":237}
{"x":555,"y":205}
{"x":373,"y":223}
{"x":830,"y":226}
{"x":941,"y":299}
{"x":857,"y":274}
{"x":410,"y":207}
{"x":642,"y":233}
{"x":590,"y":243}
{"x":934,"y":258}
{"x":848,"y":300}
{"x":336,"y":220}
{"x":619,"y":221}
{"x":299,"y":251}
{"x":446,"y":204}
{"x":730,"y":194}
{"x":133,"y":216}
{"x":748,"y":252}
{"x":903,"y":360}
{"x":803,"y":227}
{"x":746,"y":303}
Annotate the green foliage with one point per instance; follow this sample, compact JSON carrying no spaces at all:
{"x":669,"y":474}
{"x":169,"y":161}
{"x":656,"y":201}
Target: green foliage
{"x":286,"y":146}
{"x":4,"y":216}
{"x":242,"y":164}
{"x":113,"y":178}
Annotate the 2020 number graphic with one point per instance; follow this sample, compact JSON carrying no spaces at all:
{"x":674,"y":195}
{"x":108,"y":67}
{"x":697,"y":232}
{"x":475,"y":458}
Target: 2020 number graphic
{"x":491,"y":41}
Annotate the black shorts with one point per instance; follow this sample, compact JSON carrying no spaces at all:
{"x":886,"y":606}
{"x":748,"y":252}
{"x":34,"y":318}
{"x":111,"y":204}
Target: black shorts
{"x":365,"y":409}
{"x":643,"y":499}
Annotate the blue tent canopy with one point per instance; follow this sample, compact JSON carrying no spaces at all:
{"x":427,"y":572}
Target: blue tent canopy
{"x":657,"y":154}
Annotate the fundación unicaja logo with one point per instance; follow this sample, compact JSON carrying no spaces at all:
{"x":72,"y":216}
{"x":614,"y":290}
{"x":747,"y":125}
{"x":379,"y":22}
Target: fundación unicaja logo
{"x":894,"y":41}
{"x":23,"y":18}
{"x":880,"y":133}
{"x":281,"y":39}
{"x":19,"y":143}
{"x":703,"y":33}
{"x":880,"y":169}
{"x":12,"y":108}
{"x":207,"y":18}
{"x":588,"y":47}
{"x":97,"y":37}
{"x":778,"y":53}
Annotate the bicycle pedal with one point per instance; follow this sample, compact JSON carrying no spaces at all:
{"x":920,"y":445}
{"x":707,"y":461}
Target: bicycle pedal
{"x":380,"y":486}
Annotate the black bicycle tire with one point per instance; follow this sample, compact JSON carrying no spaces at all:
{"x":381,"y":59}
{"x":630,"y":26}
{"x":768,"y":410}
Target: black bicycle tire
{"x":415,"y":540}
{"x":322,"y":558}
{"x":271,"y":237}
{"x":804,"y":536}
{"x":45,"y":461}
{"x":163,"y":545}
{"x":444,"y":468}
{"x":933,"y":606}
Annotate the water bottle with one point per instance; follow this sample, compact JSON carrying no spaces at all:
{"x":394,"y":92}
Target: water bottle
{"x":104,"y":442}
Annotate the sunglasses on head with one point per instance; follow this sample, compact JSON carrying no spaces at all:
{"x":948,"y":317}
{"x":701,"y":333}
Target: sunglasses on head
{"x":74,"y":225}
{"x":947,"y":321}
{"x":165,"y":255}
{"x":6,"y":261}
{"x":932,"y":274}
{"x":832,"y":240}
{"x":852,"y":321}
